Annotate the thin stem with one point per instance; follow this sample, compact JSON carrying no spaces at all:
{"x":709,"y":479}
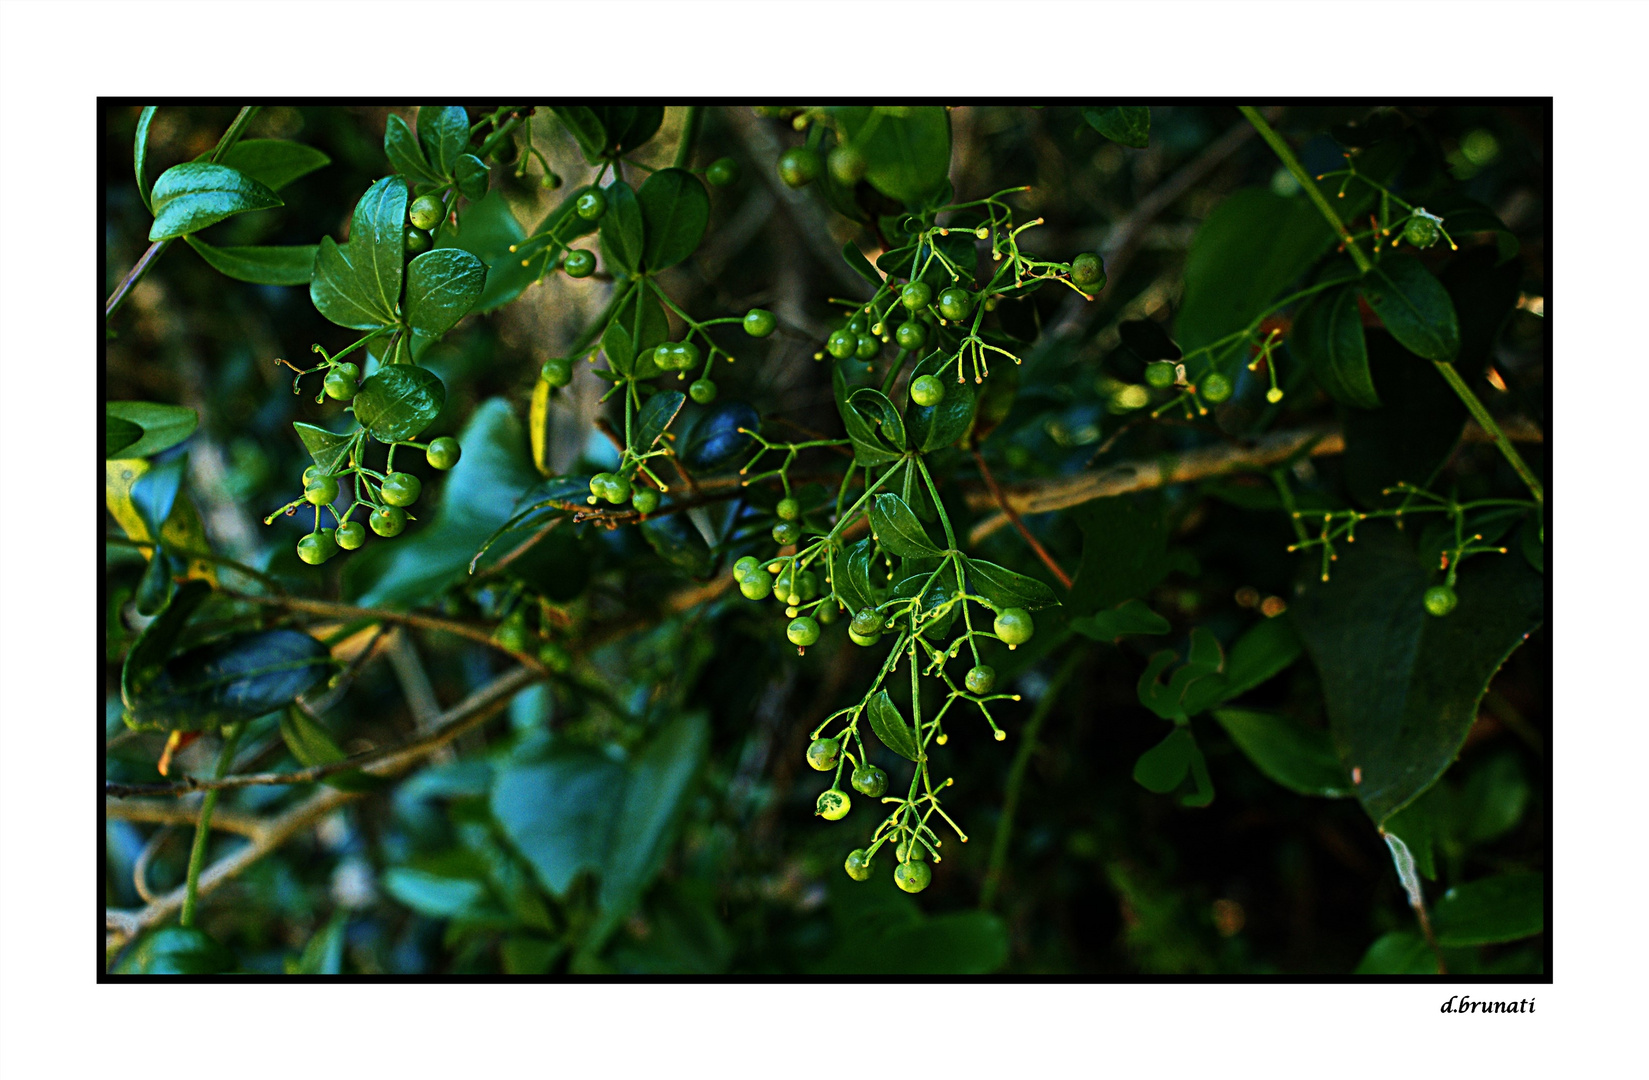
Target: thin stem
{"x":203,"y":830}
{"x":134,"y":276}
{"x":1018,"y":522}
{"x":203,"y":556}
{"x":1481,"y":414}
{"x":689,"y":135}
{"x":1292,"y":164}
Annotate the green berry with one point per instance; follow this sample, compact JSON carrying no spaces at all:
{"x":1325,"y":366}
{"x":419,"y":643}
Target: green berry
{"x":842,"y":344}
{"x":416,"y":241}
{"x":912,"y":335}
{"x":557,"y":371}
{"x":512,"y":634}
{"x":858,"y":865}
{"x":803,"y":631}
{"x":320,"y":490}
{"x":866,"y":623}
{"x":869,"y":347}
{"x":803,"y":588}
{"x":913,"y":877}
{"x":862,"y":640}
{"x":980,"y":679}
{"x":618,"y":489}
{"x":955,"y":303}
{"x":443,"y":453}
{"x":472,"y":175}
{"x":1088,"y":272}
{"x":916,"y":296}
{"x":350,"y":535}
{"x":799,"y":166}
{"x":788,"y":509}
{"x":826,"y":613}
{"x":756,"y":586}
{"x":1422,"y":232}
{"x":833,"y":805}
{"x":555,"y":656}
{"x":579,"y":263}
{"x":550,"y":180}
{"x":1216,"y":387}
{"x":1014,"y":626}
{"x":910,"y":851}
{"x":598,"y":484}
{"x":745,"y":567}
{"x":310,"y":472}
{"x":869,"y":780}
{"x":591,"y":205}
{"x":926,"y":390}
{"x":1162,"y":374}
{"x":822,"y":754}
{"x":316,"y":548}
{"x":401,"y":489}
{"x":425,"y":212}
{"x":702,"y":391}
{"x":847,"y":165}
{"x":645,"y":500}
{"x":759,"y":322}
{"x":786,"y":532}
{"x":388,"y":521}
{"x":1440,"y":600}
{"x":723,"y":172}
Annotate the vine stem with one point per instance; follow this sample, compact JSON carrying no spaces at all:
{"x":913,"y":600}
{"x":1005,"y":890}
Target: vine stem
{"x":689,"y":135}
{"x":1016,"y":778}
{"x":1473,"y":405}
{"x":203,"y":830}
{"x":1018,"y":522}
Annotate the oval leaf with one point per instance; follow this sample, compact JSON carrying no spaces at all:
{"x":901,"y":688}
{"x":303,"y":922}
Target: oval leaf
{"x":443,"y":132}
{"x":404,"y":153}
{"x":442,"y":286}
{"x":868,"y":447}
{"x":260,"y":265}
{"x":890,"y":726}
{"x":231,"y":679}
{"x":935,"y":426}
{"x":897,"y":529}
{"x":678,"y":542}
{"x":880,"y":413}
{"x":1414,"y":306}
{"x":1129,"y":125}
{"x":622,"y":228}
{"x":337,"y":293}
{"x":377,"y":245}
{"x":1491,"y":910}
{"x":1161,"y":768}
{"x":162,"y":426}
{"x":716,"y":440}
{"x":906,"y":148}
{"x":274,"y":163}
{"x":1328,"y":337}
{"x":675,"y":209}
{"x":196,"y":194}
{"x":654,"y":418}
{"x":1005,"y":588}
{"x":1299,"y":758}
{"x":399,"y":402}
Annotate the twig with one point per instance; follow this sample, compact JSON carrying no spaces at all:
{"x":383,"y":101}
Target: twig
{"x":154,"y":812}
{"x":204,"y":556}
{"x":1013,"y":516}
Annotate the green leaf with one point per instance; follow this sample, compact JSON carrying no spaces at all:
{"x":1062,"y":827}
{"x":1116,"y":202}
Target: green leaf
{"x":655,"y":325}
{"x":274,"y":163}
{"x":140,"y":154}
{"x":1299,"y":758}
{"x":1328,"y":337}
{"x":617,"y":347}
{"x":1124,"y":552}
{"x":935,"y":426}
{"x":868,"y":446}
{"x":1401,"y":952}
{"x":622,"y":228}
{"x":308,"y":740}
{"x":148,"y":653}
{"x":858,"y":587}
{"x":329,"y":451}
{"x":191,"y":196}
{"x":260,"y":265}
{"x":442,"y":286}
{"x":1161,"y":768}
{"x":234,"y":678}
{"x":404,"y":153}
{"x":586,"y":128}
{"x":1414,"y":306}
{"x":399,"y":401}
{"x":675,"y":210}
{"x":879,"y":412}
{"x":178,"y":950}
{"x":897,"y":529}
{"x":1129,"y":125}
{"x":1268,"y":647}
{"x":860,"y":265}
{"x":906,"y":148}
{"x":890,"y":727}
{"x":716,"y":440}
{"x":910,"y":943}
{"x":679,"y":543}
{"x":377,"y":245}
{"x":1491,"y":910}
{"x":1005,"y":588}
{"x":488,"y":229}
{"x":655,"y":417}
{"x":559,"y":812}
{"x":1402,"y":686}
{"x":324,"y":953}
{"x":162,"y":426}
{"x":434,"y":895}
{"x":443,"y":132}
{"x":337,"y":292}
{"x":629,"y":126}
{"x":1493,"y":800}
{"x":118,"y":434}
{"x":154,"y":493}
{"x":1128,"y":617}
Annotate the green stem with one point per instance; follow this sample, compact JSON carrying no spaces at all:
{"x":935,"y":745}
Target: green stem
{"x":1481,"y":414}
{"x":237,"y":128}
{"x":197,"y":853}
{"x":1016,"y":777}
{"x":689,"y":135}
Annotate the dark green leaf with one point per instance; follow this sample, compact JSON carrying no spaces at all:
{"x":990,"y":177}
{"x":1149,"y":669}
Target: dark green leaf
{"x":897,"y":529}
{"x":1161,"y":768}
{"x":308,"y":740}
{"x":1124,"y":552}
{"x":163,"y":426}
{"x":443,"y":132}
{"x":191,"y":196}
{"x":618,"y":348}
{"x":140,"y":153}
{"x":118,"y":434}
{"x":1493,"y":800}
{"x":859,"y":586}
{"x":891,"y":727}
{"x":879,"y":412}
{"x":679,"y":543}
{"x":1401,"y":952}
{"x":1270,"y":646}
{"x":260,"y":265}
{"x":586,"y":128}
{"x":630,"y":126}
{"x":488,"y":229}
{"x":377,"y":245}
{"x":675,"y":209}
{"x":906,"y":148}
{"x":959,"y":943}
{"x":405,"y":155}
{"x":234,"y":678}
{"x":274,"y":163}
{"x":1299,"y":758}
{"x":1328,"y":337}
{"x":936,"y":426}
{"x":1005,"y":588}
{"x":559,"y":813}
{"x":1402,"y":686}
{"x":399,"y":402}
{"x":1414,"y":306}
{"x":442,"y":286}
{"x":1529,"y":539}
{"x":337,"y":292}
{"x":622,"y":229}
{"x":654,"y":327}
{"x":149,"y":652}
{"x":868,"y":446}
{"x":155,"y":585}
{"x":1129,"y":125}
{"x":329,"y":451}
{"x":473,"y":176}
{"x":655,"y":417}
{"x":1202,"y":785}
{"x":1491,"y":910}
{"x":1128,"y":617}
{"x":861,"y":266}
{"x":178,"y":950}
{"x":718,"y":439}
{"x":324,"y":953}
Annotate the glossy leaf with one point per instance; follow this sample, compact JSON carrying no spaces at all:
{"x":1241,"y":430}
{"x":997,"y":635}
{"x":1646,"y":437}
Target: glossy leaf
{"x":1402,"y":686}
{"x":586,"y":127}
{"x":377,"y":245}
{"x":935,"y":426}
{"x":1413,"y":306}
{"x":1005,"y":588}
{"x":140,"y":153}
{"x":879,"y":412}
{"x":1162,"y":768}
{"x":1328,"y":337}
{"x":655,"y":417}
{"x":405,"y":155}
{"x":260,"y":265}
{"x":1299,"y":758}
{"x":891,"y":727}
{"x":716,"y":441}
{"x":443,"y":132}
{"x":1128,"y":617}
{"x":1129,"y":125}
{"x":488,"y":229}
{"x":118,"y":434}
{"x":868,"y":446}
{"x":1491,"y":910}
{"x":906,"y":148}
{"x":678,"y":543}
{"x":622,"y":229}
{"x":162,"y":426}
{"x":399,"y":401}
{"x":442,"y":286}
{"x":149,"y":652}
{"x":861,"y":587}
{"x":897,"y":529}
{"x":337,"y":292}
{"x":329,"y":451}
{"x":191,"y":196}
{"x":630,"y":126}
{"x":675,"y":210}
{"x":274,"y":163}
{"x":234,"y":678}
